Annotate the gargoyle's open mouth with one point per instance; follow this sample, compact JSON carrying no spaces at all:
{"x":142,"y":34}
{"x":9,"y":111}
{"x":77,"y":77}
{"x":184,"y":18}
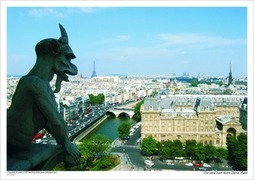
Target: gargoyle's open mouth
{"x":71,"y":71}
{"x":62,"y":76}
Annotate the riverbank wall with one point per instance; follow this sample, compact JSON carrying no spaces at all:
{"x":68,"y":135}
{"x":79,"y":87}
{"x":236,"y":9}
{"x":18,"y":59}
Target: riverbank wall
{"x":90,"y":129}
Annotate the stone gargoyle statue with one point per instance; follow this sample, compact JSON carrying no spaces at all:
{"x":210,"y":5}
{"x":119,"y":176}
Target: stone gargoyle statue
{"x":34,"y":107}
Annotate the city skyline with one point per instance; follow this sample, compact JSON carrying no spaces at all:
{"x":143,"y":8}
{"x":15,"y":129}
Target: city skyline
{"x":135,"y":40}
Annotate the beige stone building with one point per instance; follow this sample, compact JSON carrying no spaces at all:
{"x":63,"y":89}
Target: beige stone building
{"x":244,"y":114}
{"x":176,"y":118}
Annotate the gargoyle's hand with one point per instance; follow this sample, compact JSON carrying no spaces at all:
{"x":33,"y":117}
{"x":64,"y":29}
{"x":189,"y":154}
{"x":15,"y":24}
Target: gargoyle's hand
{"x":73,"y":155}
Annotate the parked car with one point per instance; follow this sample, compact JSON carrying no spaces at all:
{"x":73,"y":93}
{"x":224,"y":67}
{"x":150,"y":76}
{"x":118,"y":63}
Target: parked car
{"x":189,"y":164}
{"x":170,"y":164}
{"x":199,"y":169}
{"x":202,"y":169}
{"x":206,"y":165}
{"x":197,"y":164}
{"x":149,"y":163}
{"x":179,"y":158}
{"x":126,"y":138}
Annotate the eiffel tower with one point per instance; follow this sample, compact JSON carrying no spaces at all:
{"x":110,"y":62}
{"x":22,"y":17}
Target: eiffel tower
{"x":94,"y":73}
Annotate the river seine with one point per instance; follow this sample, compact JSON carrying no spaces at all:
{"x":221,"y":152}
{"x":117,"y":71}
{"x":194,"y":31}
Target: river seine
{"x":109,"y":127}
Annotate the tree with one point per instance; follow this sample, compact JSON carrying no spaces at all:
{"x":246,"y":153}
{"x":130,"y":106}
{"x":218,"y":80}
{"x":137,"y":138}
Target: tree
{"x":137,"y":113}
{"x":221,"y":153}
{"x":177,"y":149}
{"x":210,"y":152}
{"x":199,"y":152}
{"x":99,"y":99}
{"x":105,"y":163}
{"x":94,"y":155}
{"x":194,"y":82}
{"x":98,"y":145}
{"x":237,"y":152}
{"x":154,"y":93}
{"x":86,"y":152}
{"x":91,"y":99}
{"x":124,"y":129}
{"x":190,"y":146}
{"x":149,"y":146}
{"x":220,"y":83}
{"x":165,"y":149}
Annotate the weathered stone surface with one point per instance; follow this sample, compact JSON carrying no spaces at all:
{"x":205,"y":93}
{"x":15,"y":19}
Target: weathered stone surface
{"x":34,"y":106}
{"x":28,"y":160}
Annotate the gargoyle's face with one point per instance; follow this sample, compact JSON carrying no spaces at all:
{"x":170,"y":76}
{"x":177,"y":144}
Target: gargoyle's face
{"x":64,"y":67}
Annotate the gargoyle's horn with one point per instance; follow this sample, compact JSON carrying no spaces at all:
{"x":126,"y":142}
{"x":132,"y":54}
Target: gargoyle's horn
{"x":64,"y":36}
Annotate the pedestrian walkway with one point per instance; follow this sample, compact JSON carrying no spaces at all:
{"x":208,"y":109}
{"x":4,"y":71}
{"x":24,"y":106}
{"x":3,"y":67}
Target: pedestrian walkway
{"x":124,"y":163}
{"x":117,"y":142}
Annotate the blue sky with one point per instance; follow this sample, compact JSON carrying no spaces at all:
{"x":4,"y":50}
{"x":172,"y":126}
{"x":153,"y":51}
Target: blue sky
{"x":134,"y":40}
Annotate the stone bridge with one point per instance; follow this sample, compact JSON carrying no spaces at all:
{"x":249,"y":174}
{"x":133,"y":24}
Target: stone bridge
{"x":119,"y":111}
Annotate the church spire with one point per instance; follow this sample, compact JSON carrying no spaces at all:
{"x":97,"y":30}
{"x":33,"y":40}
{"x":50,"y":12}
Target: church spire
{"x":230,"y":78}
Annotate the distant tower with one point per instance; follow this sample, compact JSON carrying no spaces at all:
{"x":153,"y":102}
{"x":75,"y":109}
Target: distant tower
{"x":94,"y":73}
{"x":230,"y":78}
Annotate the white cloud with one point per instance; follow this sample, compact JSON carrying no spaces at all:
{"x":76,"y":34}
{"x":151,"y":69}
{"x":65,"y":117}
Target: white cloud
{"x":82,"y":10}
{"x":60,"y":12}
{"x":88,"y":9}
{"x":197,"y":40}
{"x":45,"y":12}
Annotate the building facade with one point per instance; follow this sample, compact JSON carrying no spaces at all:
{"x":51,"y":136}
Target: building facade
{"x":244,"y":114}
{"x":174,"y":118}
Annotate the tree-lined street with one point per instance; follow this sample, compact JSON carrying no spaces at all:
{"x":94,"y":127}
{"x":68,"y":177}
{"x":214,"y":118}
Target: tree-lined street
{"x":131,"y":149}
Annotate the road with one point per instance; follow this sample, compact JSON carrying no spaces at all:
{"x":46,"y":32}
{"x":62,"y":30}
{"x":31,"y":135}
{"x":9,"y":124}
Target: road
{"x":131,"y":149}
{"x":75,"y":127}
